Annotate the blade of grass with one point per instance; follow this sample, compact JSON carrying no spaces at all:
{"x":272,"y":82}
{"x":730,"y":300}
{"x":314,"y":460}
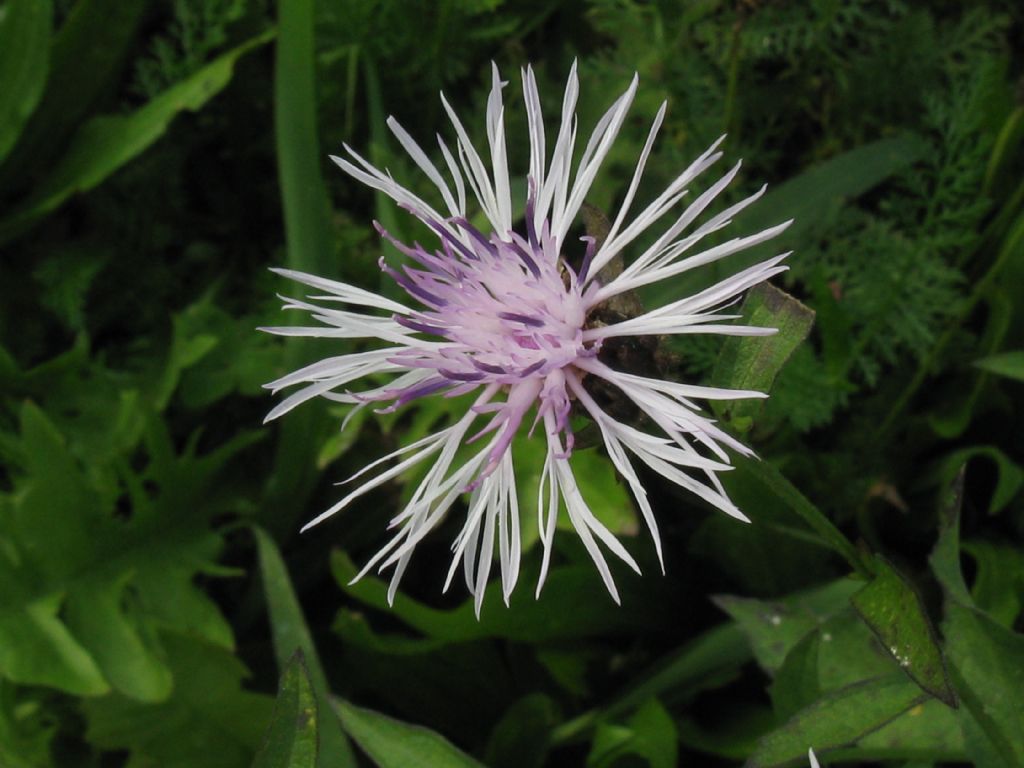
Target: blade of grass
{"x":307,"y":242}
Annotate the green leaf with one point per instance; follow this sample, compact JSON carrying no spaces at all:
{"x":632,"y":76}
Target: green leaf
{"x":115,"y":581}
{"x":291,"y":739}
{"x":754,"y":362}
{"x":290,"y":634}
{"x":24,"y":61}
{"x":1008,"y":364}
{"x":759,"y":487}
{"x":106,"y":143}
{"x":837,"y":719}
{"x":998,"y":587}
{"x":86,"y":58}
{"x":559,"y":615}
{"x":391,"y":743}
{"x":209,"y":721}
{"x":988,"y":668}
{"x":649,"y":734}
{"x":893,"y":611}
{"x":945,"y":557}
{"x":522,"y":737}
{"x":308,"y":246}
{"x":773,"y":628}
{"x":813,"y":198}
{"x":1009,"y":477}
{"x":703,"y":662}
{"x":797,"y":683}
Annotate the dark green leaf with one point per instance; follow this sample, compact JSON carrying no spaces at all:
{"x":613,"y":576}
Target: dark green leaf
{"x":773,"y":628}
{"x":988,"y":664}
{"x":796,"y":683}
{"x":391,"y":743}
{"x":104,"y":144}
{"x":87,"y":54}
{"x":209,"y":721}
{"x":837,"y":719}
{"x":291,"y":741}
{"x":24,"y":61}
{"x":649,"y":734}
{"x":754,"y":362}
{"x":756,"y":485}
{"x":1008,"y":364}
{"x":290,"y":635}
{"x":814,"y":197}
{"x":893,"y":611}
{"x":522,"y":737}
{"x":998,"y":587}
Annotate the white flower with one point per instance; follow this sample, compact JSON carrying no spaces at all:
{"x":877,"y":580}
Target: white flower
{"x":503,"y":314}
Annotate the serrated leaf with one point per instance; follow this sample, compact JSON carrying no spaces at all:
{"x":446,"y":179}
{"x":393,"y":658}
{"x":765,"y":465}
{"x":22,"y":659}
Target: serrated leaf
{"x":291,"y":740}
{"x":893,"y":611}
{"x":24,"y":62}
{"x":838,"y":719}
{"x":106,"y":143}
{"x":754,"y":362}
{"x":391,"y":743}
{"x":117,"y":581}
{"x":209,"y":721}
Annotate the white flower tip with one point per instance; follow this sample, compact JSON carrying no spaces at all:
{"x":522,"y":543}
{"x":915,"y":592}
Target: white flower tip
{"x":812,"y":758}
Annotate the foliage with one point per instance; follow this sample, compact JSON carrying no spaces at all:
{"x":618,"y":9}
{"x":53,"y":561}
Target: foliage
{"x":156,"y":158}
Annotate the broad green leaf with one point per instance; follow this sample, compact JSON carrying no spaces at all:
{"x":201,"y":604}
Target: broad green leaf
{"x":522,"y":737}
{"x":998,"y":587}
{"x":893,"y":611}
{"x":209,"y":721}
{"x":797,"y":682}
{"x":290,"y":634}
{"x":115,"y":581}
{"x":1008,"y":364}
{"x":945,"y":557}
{"x":838,"y":719}
{"x":106,"y":143}
{"x":754,"y":362}
{"x":649,"y":734}
{"x":773,"y":628}
{"x":988,"y":668}
{"x":929,"y":730}
{"x":86,"y":57}
{"x":391,"y":743}
{"x":291,"y":740}
{"x":24,"y":63}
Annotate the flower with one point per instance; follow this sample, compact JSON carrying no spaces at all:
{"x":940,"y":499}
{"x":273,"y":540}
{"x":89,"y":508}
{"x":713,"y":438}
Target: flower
{"x":506,"y":315}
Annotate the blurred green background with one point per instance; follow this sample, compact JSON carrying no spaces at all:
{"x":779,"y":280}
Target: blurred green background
{"x":157,"y":157}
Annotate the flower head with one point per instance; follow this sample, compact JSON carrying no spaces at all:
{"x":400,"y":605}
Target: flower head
{"x":514,"y":315}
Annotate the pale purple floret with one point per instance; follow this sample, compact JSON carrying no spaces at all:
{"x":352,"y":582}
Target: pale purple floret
{"x":504,"y":315}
